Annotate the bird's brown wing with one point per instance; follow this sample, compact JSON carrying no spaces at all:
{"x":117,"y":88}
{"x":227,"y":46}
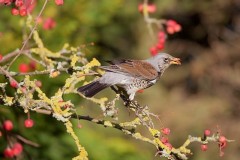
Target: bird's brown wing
{"x":133,"y":68}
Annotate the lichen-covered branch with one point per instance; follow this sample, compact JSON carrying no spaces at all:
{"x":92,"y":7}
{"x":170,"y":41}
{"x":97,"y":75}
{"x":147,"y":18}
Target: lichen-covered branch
{"x":71,"y":62}
{"x":83,"y":155}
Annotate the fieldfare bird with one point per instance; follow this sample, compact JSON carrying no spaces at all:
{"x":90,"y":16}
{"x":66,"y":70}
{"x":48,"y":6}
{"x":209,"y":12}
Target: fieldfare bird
{"x":132,"y":75}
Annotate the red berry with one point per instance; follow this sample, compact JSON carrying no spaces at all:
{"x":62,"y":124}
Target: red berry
{"x":23,"y":68}
{"x":23,"y":12}
{"x":59,"y":2}
{"x":8,"y":153}
{"x":204,"y":147}
{"x":28,"y":123}
{"x":153,"y":51}
{"x":164,"y":140}
{"x":207,"y":132}
{"x":160,"y":46}
{"x":32,"y":65}
{"x":49,"y":24}
{"x":152,"y":8}
{"x":18,"y":3}
{"x":17,"y":149}
{"x":38,"y":83}
{"x":30,"y":5}
{"x":8,"y":125}
{"x":222,"y":139}
{"x":0,"y":134}
{"x":223,"y":144}
{"x":140,"y":8}
{"x":166,"y":131}
{"x":1,"y":57}
{"x":169,"y":145}
{"x":13,"y":84}
{"x":170,"y":30}
{"x":15,"y":11}
{"x":7,"y":2}
{"x":162,"y":41}
{"x":177,"y":28}
{"x":173,"y":26}
{"x":171,"y":22}
{"x":161,"y":35}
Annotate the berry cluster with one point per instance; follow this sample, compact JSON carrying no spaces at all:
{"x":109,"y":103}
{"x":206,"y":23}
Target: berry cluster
{"x":160,"y":44}
{"x":24,"y":68}
{"x":222,"y":142}
{"x":14,"y":148}
{"x":20,"y":7}
{"x":171,"y":27}
{"x":47,"y":23}
{"x":23,"y":7}
{"x":207,"y":133}
{"x":164,"y":139}
{"x":14,"y":84}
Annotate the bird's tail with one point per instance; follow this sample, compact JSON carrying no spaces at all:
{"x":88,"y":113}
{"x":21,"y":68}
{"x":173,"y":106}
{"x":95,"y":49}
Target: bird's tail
{"x":93,"y":88}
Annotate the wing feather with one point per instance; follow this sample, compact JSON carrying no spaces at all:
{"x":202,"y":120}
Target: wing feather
{"x":134,"y":68}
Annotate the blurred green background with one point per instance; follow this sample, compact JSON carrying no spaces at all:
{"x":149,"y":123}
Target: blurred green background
{"x":202,"y":93}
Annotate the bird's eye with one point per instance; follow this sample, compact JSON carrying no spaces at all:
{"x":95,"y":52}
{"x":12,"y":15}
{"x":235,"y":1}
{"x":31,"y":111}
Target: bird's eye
{"x":166,"y":60}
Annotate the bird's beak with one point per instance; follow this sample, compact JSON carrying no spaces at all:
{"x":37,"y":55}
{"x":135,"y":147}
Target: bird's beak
{"x":175,"y":61}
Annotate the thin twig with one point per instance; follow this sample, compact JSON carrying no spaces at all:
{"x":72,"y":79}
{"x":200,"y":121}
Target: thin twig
{"x":10,"y":55}
{"x":12,"y":74}
{"x":26,"y":141}
{"x":88,"y":118}
{"x":102,"y":122}
{"x":6,"y":73}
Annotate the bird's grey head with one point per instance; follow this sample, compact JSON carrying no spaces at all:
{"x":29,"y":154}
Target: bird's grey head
{"x":162,"y":61}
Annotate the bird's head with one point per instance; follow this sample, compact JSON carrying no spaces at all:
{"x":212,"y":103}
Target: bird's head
{"x":163,"y":60}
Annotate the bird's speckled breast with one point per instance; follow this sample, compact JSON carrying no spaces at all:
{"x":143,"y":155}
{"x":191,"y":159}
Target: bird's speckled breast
{"x":140,"y":84}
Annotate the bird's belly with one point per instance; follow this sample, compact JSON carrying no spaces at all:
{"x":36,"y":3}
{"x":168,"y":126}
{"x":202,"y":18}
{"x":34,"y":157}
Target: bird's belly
{"x":136,"y":84}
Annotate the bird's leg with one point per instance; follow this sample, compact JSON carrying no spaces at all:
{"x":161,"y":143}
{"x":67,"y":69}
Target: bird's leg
{"x":123,"y":96}
{"x":130,"y":104}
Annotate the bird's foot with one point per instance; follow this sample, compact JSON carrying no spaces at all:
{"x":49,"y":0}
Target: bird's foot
{"x":127,"y":102}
